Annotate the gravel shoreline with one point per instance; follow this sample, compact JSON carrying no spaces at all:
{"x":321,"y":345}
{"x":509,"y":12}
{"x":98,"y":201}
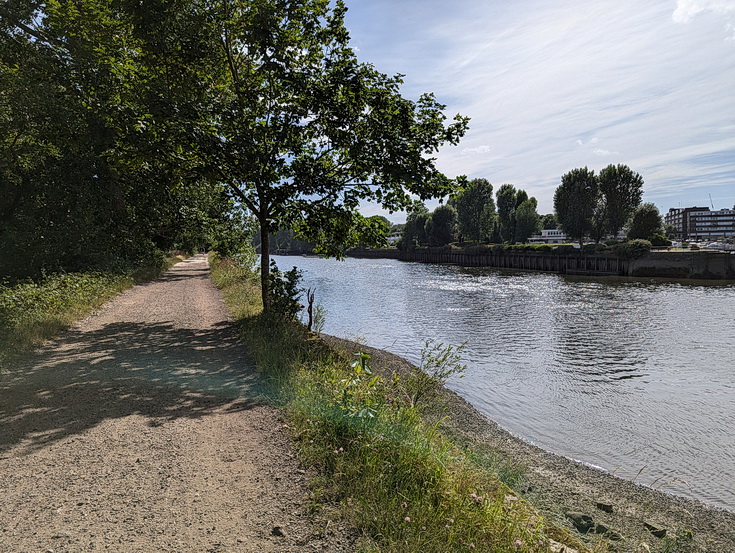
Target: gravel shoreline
{"x":584,"y":500}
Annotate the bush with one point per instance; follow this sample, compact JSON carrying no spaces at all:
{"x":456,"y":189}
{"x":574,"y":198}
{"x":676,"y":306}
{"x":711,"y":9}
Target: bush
{"x":285,"y":292}
{"x":633,"y":249}
{"x":660,"y":241}
{"x":498,"y":249}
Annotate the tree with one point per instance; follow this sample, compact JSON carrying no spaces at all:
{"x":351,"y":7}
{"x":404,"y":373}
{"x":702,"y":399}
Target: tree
{"x":527,"y":219}
{"x":621,"y":191}
{"x":441,"y":225}
{"x":548,"y":222}
{"x":302,"y":132}
{"x":91,"y":95}
{"x":574,"y":202}
{"x":414,"y":230}
{"x":645,"y":222}
{"x":475,"y":209}
{"x":506,"y":201}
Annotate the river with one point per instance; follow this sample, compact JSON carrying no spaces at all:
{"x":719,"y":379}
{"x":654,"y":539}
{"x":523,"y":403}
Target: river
{"x":632,"y":376}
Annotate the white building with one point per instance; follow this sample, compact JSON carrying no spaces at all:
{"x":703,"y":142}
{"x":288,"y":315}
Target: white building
{"x":549,"y":236}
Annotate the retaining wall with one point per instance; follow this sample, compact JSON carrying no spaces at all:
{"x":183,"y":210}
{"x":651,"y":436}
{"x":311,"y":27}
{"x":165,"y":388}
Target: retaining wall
{"x":695,"y":265}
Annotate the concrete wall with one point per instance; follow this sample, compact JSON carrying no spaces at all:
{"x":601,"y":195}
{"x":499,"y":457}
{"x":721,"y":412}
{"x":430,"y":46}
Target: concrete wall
{"x":699,"y":265}
{"x":695,"y":265}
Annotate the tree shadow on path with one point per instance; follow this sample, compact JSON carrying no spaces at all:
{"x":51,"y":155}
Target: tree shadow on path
{"x":122,"y":369}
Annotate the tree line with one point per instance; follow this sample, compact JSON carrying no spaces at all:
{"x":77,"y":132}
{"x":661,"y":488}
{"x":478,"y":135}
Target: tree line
{"x":586,"y":206}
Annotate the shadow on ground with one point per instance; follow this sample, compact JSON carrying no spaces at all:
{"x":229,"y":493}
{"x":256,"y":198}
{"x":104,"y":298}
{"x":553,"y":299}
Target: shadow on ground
{"x":153,"y":370}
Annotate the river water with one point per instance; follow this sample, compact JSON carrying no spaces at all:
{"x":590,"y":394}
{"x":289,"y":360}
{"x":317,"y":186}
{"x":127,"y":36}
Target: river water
{"x":633,"y":376}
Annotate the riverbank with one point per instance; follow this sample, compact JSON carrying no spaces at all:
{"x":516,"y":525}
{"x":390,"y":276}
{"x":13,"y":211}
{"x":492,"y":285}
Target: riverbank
{"x":707,"y":265}
{"x":573,"y":495}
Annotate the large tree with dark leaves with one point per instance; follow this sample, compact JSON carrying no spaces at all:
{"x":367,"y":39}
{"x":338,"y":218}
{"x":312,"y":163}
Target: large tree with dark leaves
{"x":574,"y":203}
{"x":304,"y":132}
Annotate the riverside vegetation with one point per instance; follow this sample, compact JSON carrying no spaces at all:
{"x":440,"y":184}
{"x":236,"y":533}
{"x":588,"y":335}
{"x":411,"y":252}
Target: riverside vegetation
{"x":397,"y":479}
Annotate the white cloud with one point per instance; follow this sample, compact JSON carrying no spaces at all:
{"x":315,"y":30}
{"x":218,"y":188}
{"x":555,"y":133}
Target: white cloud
{"x":686,"y":10}
{"x":480,"y":150}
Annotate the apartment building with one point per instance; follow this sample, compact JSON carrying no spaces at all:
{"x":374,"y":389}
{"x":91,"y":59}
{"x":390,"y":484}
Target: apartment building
{"x":701,"y":223}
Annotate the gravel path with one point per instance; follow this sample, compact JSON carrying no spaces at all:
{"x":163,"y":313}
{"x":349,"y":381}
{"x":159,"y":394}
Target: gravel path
{"x":143,"y":429}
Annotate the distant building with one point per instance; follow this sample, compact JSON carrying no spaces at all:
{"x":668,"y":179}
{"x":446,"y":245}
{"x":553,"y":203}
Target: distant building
{"x":549,"y":236}
{"x":701,"y":224}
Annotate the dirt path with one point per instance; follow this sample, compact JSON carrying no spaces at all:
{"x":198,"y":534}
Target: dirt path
{"x":142,"y":429}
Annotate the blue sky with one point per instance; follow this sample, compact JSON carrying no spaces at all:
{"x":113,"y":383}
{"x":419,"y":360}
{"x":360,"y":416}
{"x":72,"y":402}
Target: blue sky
{"x":559,"y":84}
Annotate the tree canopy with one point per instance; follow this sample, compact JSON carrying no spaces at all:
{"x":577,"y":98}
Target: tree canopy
{"x":598,"y":205}
{"x":475,"y":209}
{"x":123,"y":114}
{"x":574,"y":202}
{"x":645,"y":222}
{"x":304,"y":132}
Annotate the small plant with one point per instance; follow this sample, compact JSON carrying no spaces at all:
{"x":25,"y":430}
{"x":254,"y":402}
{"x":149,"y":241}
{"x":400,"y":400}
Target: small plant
{"x":359,"y":398}
{"x":438,"y":364}
{"x":285,"y":292}
{"x":320,"y":318}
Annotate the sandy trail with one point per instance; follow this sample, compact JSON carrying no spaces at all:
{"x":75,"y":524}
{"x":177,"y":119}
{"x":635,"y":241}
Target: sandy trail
{"x":142,"y":428}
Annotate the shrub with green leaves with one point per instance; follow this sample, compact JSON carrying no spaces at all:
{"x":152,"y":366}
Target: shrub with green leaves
{"x":285,"y":292}
{"x":632,"y":249}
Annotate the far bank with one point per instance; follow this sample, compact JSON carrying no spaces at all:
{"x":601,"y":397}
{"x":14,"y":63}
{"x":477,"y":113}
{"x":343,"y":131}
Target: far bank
{"x":703,"y":265}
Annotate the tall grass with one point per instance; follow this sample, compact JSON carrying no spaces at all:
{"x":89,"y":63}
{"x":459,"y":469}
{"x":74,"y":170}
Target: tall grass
{"x":395,"y":477}
{"x":34,"y":311}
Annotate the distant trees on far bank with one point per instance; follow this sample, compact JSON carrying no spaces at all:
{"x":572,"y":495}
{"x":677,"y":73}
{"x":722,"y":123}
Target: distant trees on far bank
{"x":589,"y":205}
{"x":586,"y":205}
{"x":473,"y":214}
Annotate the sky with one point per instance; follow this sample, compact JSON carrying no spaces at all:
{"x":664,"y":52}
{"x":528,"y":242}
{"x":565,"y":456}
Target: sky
{"x":554,"y":85}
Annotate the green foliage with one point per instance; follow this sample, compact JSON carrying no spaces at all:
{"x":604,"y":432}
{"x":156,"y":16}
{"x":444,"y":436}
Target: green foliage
{"x":91,"y":174}
{"x":414,"y":232}
{"x":475,"y":209}
{"x":549,"y":222}
{"x":659,"y":241}
{"x":621,"y":191}
{"x":645,"y":222}
{"x":632,"y":249}
{"x":441,"y":225}
{"x":285,"y":292}
{"x":574,"y":202}
{"x":506,"y":202}
{"x":527,"y":220}
{"x":438,"y":363}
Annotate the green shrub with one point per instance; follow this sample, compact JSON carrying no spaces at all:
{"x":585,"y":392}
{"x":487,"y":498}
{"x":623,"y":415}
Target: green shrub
{"x":632,"y":249}
{"x":285,"y":291}
{"x":498,"y":249}
{"x":660,"y":241}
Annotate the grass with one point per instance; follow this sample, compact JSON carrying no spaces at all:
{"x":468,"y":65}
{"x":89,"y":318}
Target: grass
{"x":394,"y":476}
{"x":31,"y":312}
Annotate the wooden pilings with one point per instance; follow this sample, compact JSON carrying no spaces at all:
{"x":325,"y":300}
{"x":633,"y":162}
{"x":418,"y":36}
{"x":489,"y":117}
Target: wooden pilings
{"x":525,"y":261}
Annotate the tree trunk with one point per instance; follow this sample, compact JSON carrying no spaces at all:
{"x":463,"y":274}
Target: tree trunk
{"x":265,"y":260}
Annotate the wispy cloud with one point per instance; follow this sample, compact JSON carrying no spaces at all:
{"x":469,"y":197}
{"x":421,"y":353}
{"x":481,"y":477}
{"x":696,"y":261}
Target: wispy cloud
{"x":554,"y":86}
{"x":478,"y":151}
